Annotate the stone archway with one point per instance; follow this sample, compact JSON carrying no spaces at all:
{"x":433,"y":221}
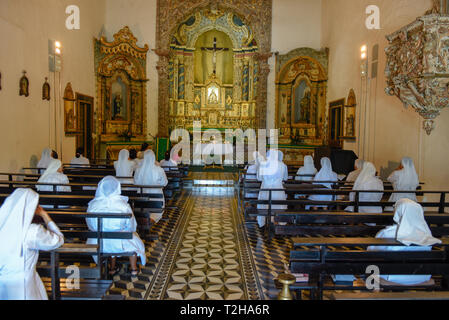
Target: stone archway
{"x":171,"y":13}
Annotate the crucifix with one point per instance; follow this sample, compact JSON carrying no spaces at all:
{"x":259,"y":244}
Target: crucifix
{"x":215,"y":49}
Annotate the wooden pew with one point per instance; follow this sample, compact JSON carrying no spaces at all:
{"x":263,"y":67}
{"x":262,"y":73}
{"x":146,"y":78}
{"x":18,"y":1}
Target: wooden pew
{"x":297,"y":205}
{"x":322,"y":257}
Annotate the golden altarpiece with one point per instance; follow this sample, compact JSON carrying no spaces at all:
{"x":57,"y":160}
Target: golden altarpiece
{"x":301,"y":84}
{"x":121,"y":79}
{"x":213,"y":72}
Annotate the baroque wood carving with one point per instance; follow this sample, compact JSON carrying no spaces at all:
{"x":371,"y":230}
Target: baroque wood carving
{"x":172,"y":13}
{"x":121,"y":88}
{"x":417,"y":68}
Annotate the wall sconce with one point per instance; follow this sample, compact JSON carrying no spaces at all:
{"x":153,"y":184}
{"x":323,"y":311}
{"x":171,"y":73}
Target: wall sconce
{"x":364,"y":60}
{"x":54,"y":56}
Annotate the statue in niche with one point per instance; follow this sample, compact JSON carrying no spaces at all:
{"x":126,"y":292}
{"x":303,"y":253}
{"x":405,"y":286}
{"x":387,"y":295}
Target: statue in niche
{"x":305,"y":107}
{"x":118,"y":106}
{"x":350,"y":126}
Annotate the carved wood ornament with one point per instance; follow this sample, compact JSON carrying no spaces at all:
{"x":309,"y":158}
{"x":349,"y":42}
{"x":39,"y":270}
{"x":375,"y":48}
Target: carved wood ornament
{"x":417,"y":68}
{"x":170,"y":15}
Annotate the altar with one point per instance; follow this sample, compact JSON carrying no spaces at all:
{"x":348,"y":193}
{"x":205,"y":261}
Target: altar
{"x":213,"y":153}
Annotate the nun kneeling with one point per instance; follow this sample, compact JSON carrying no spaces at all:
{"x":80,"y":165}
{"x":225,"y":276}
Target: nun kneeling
{"x":410,"y":229}
{"x":108,"y":199}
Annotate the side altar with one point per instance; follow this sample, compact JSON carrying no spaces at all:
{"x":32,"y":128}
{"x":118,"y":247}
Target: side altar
{"x":301,"y":85}
{"x":121,"y":113}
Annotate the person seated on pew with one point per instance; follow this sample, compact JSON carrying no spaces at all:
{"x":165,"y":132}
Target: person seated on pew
{"x":79,"y":158}
{"x":367,"y":180}
{"x":272,"y":173}
{"x":150,"y":174}
{"x":124,"y":167}
{"x":325,"y":174}
{"x":108,"y":199}
{"x":251,"y":171}
{"x":21,"y":240}
{"x":358,"y":166}
{"x":410,"y":228}
{"x":168,"y":161}
{"x":53,"y":174}
{"x":404,"y":178}
{"x":308,"y":169}
{"x":45,"y":159}
{"x":133,"y":157}
{"x":145,"y":146}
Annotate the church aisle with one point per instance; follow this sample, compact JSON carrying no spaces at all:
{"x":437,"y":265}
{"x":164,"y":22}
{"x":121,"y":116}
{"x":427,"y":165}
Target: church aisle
{"x":208,"y":256}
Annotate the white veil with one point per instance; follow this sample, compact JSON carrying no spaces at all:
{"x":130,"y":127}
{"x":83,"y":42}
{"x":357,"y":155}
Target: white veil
{"x":408,"y":179}
{"x":45,"y":158}
{"x":123,"y":166}
{"x":52,"y":168}
{"x":411,"y":227}
{"x":368,"y":172}
{"x":308,"y":168}
{"x":326,"y":173}
{"x":16,"y":215}
{"x":146,"y":174}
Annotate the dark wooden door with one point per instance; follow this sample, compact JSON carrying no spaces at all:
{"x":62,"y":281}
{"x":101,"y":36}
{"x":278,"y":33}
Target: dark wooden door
{"x":85,"y":105}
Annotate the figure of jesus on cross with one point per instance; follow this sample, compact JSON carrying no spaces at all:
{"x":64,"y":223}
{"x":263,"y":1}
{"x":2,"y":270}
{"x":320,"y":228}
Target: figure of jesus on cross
{"x":215,"y":49}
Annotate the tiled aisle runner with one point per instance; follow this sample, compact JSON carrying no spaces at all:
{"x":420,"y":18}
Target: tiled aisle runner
{"x":208,"y":256}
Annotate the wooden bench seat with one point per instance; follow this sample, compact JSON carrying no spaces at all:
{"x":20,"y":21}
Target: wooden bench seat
{"x":88,"y":289}
{"x":321,"y":257}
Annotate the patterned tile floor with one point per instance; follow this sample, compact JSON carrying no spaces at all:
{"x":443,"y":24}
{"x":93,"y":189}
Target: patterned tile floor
{"x":205,"y":250}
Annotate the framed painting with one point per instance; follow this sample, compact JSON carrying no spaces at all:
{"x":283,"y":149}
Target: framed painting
{"x":349,"y":117}
{"x":70,"y":120}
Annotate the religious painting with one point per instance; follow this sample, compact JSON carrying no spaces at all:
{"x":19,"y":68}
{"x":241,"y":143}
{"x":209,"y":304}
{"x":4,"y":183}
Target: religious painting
{"x":46,"y":90}
{"x":336,"y":113}
{"x":212,"y":95}
{"x":349,"y":117}
{"x":302,"y":103}
{"x":119,"y":100}
{"x":70,"y":123}
{"x":24,"y":85}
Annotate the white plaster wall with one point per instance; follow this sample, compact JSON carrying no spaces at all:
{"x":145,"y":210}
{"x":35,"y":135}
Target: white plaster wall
{"x":27,"y":124}
{"x":390,"y":131}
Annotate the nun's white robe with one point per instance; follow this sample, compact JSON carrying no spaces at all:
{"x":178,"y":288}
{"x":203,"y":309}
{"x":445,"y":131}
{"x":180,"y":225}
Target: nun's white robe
{"x":410,"y":228}
{"x":367,"y":181}
{"x":18,"y":277}
{"x":308,"y":169}
{"x":108,"y":200}
{"x":125,"y":168}
{"x":150,"y":174}
{"x":80,"y":161}
{"x":325,"y":174}
{"x":272,"y":173}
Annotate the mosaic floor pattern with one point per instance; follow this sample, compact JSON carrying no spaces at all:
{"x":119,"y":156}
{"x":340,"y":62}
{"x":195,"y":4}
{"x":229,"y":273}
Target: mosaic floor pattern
{"x":208,"y":257}
{"x":204,"y":249}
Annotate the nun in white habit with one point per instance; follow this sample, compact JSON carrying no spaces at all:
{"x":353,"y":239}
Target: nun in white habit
{"x":367,"y":180}
{"x":169,"y":161}
{"x":251,"y":171}
{"x":325,"y":174}
{"x":124,"y":167}
{"x":358,"y":166}
{"x":21,"y":241}
{"x":54,"y":174}
{"x":45,"y":159}
{"x":108,"y":199}
{"x":307,"y":169}
{"x":150,"y":174}
{"x":403,"y":179}
{"x":410,"y":228}
{"x":272,"y":173}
